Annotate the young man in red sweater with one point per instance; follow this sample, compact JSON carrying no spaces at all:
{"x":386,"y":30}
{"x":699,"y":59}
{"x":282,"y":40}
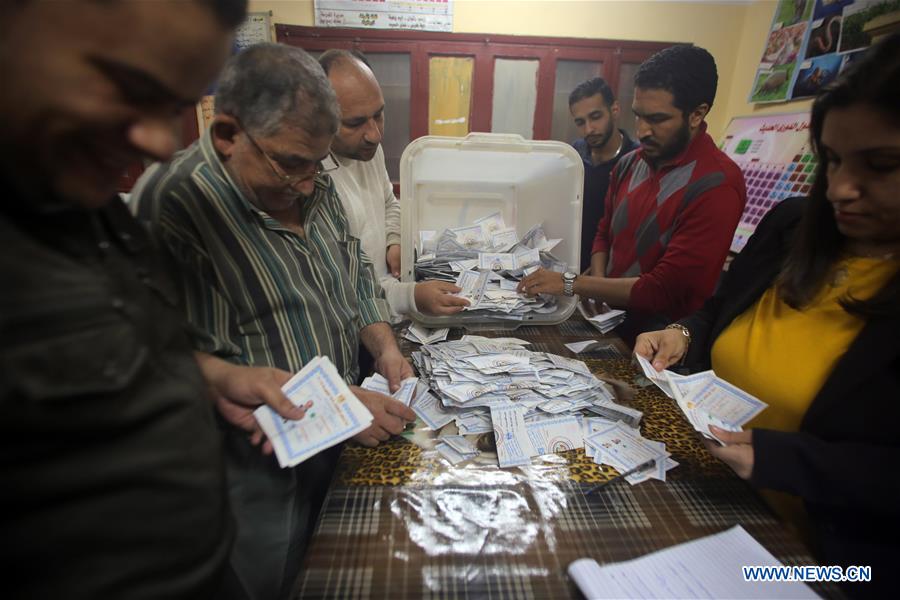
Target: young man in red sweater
{"x":672,"y":204}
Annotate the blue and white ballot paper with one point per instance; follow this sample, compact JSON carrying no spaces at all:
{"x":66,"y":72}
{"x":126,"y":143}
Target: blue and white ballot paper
{"x":335,"y":415}
{"x":705,"y":399}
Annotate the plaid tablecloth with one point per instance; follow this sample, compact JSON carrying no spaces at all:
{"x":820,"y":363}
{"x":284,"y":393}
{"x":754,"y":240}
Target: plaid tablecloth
{"x":399,"y":522}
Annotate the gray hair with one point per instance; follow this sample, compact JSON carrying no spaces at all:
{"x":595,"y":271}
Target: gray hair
{"x":267,"y":85}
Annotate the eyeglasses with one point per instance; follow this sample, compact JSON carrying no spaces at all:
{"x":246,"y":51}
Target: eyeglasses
{"x":325,"y":165}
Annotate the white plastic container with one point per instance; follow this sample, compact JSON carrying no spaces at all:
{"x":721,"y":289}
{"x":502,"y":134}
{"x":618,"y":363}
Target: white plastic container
{"x":451,"y":182}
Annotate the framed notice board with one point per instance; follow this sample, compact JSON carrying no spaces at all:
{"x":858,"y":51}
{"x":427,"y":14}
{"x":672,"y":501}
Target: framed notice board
{"x":776,"y":156}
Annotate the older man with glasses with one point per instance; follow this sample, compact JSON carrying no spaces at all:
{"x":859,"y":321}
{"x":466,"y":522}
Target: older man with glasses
{"x":272,"y":277}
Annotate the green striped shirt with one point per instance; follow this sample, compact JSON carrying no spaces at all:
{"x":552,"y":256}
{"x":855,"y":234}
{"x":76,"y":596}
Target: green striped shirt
{"x":255,"y":292}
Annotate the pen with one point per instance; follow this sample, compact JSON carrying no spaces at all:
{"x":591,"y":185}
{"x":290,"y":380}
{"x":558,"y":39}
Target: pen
{"x":631,"y":471}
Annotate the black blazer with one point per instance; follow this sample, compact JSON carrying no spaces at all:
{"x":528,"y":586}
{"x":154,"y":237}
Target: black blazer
{"x":844,"y":460}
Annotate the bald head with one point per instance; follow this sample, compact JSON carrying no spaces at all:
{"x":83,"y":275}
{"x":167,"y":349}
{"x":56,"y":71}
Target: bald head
{"x":361,"y":102}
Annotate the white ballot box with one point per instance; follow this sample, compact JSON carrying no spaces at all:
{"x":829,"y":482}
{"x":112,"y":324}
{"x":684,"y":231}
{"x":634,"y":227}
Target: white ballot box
{"x":452,"y":183}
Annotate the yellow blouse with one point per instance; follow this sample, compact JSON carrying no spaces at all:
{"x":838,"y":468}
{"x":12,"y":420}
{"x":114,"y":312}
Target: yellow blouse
{"x":783,"y":356}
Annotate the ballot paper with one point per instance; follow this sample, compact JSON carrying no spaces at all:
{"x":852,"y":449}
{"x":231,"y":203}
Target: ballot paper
{"x":604,"y":348}
{"x":406,"y":393}
{"x":498,"y":261}
{"x":590,"y":426}
{"x":559,"y":434}
{"x":335,"y":415}
{"x":469,"y":237}
{"x":537,"y":400}
{"x":623,"y":448}
{"x":421,"y":335}
{"x":705,"y":399}
{"x":606,"y":318}
{"x":709,"y":567}
{"x":615,"y":412}
{"x":513,"y":443}
{"x":505,"y":240}
{"x":472,"y":284}
{"x":463,"y":254}
{"x":426,"y":241}
{"x":451,"y":454}
{"x":429,"y":409}
{"x":527,"y":257}
{"x":460,"y":443}
{"x":491,"y":224}
{"x":500,"y":340}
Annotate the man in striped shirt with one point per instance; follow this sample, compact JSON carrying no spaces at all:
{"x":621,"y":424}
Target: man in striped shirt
{"x":271,"y":276}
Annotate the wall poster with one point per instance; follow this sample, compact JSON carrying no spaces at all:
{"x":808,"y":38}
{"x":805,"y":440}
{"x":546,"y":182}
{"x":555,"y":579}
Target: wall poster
{"x":810,"y":43}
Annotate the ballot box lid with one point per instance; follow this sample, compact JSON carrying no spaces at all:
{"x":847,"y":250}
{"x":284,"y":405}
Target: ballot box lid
{"x":448,"y":182}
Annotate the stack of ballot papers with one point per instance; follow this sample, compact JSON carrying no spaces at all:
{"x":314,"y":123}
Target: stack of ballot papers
{"x":534,"y":403}
{"x":406,"y":393}
{"x":625,"y":449}
{"x":422,"y":335}
{"x":487,"y":260}
{"x":705,"y":399}
{"x":710,"y":567}
{"x":606,"y":319}
{"x":335,"y":415}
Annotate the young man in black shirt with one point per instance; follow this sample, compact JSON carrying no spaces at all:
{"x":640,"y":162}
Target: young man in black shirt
{"x":596,"y":113}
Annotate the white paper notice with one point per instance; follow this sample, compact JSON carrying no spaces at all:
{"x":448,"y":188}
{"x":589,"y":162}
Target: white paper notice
{"x":709,"y":567}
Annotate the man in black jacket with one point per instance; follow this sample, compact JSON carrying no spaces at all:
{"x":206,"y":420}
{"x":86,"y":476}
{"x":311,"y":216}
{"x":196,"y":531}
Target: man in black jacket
{"x":113,"y":483}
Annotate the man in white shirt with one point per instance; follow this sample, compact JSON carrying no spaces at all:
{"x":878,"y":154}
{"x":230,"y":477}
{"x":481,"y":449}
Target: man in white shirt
{"x":366,"y":191}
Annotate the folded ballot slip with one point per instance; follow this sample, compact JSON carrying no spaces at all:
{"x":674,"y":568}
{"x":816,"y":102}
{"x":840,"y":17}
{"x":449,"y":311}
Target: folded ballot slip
{"x":422,"y":335}
{"x":705,"y":399}
{"x":606,"y":318}
{"x":335,"y":415}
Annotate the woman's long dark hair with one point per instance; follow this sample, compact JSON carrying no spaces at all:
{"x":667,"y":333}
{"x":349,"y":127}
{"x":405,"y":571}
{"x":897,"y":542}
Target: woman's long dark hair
{"x":875,"y":81}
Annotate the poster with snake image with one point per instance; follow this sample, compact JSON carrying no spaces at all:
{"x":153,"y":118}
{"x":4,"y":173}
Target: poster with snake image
{"x":810,"y":43}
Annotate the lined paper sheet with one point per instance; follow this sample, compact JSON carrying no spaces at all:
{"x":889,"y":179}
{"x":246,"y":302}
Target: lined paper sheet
{"x":706,"y":568}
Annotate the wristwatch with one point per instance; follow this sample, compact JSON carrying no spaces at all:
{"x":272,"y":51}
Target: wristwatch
{"x":569,"y":283}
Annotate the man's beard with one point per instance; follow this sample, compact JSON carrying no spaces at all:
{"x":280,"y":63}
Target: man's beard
{"x":673,"y":148}
{"x":603,"y":140}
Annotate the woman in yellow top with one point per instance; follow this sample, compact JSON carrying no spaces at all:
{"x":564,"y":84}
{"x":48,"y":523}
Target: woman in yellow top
{"x":808,"y":320}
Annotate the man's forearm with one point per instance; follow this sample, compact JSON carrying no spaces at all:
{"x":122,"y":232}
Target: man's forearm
{"x":598,"y":264}
{"x":613,"y":291}
{"x":212,"y":367}
{"x":378,"y":338}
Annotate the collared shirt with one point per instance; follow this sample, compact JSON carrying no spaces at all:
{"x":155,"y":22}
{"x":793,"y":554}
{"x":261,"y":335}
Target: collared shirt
{"x":373,"y":212}
{"x":593,"y":198}
{"x":113,"y":476}
{"x":255,"y":292}
{"x":671,"y":227}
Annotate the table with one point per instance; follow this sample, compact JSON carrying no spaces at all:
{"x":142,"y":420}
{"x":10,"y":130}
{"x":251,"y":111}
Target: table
{"x":400,"y":522}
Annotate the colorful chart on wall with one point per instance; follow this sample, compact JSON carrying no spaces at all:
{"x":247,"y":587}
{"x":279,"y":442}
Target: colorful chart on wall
{"x":776,"y":157}
{"x":810,"y":43}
